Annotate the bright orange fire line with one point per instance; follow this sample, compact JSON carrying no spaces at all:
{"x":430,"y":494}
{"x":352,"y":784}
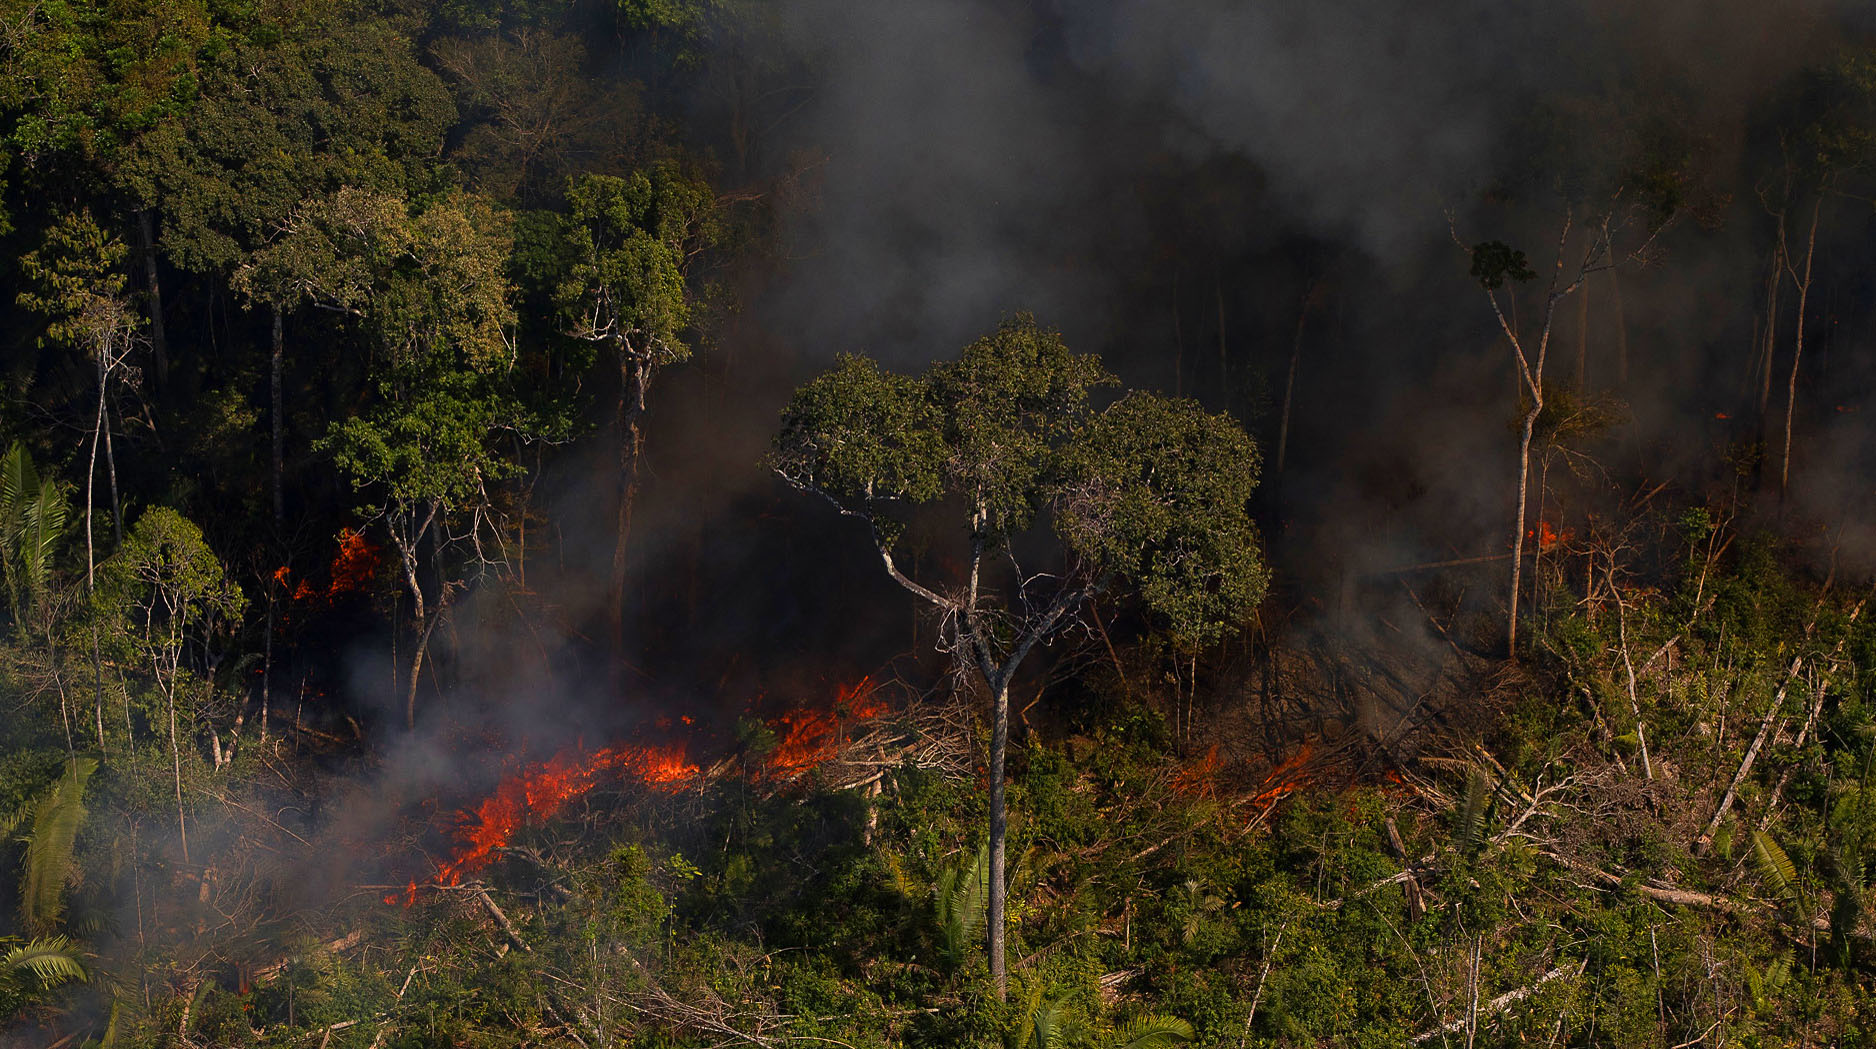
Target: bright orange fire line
{"x":808,"y":737}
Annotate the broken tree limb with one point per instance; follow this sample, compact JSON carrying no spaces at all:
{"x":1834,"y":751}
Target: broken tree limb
{"x":1752,"y":755}
{"x":1758,"y":742}
{"x":1504,"y":1001}
{"x":1804,"y":733}
{"x":508,"y":928}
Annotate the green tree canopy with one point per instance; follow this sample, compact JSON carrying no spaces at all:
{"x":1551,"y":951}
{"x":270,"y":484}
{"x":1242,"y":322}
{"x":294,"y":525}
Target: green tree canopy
{"x":1147,"y":497}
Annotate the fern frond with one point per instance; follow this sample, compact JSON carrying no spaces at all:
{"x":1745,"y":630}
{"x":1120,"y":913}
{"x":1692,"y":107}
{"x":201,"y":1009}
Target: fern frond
{"x":56,"y":820}
{"x":50,"y":958}
{"x":1150,"y":1032}
{"x":1776,"y":870}
{"x":1472,"y":809}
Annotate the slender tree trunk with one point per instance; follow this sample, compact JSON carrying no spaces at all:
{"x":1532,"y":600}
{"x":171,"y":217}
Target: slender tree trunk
{"x":1621,"y":331}
{"x":1797,"y":353}
{"x":175,"y":757}
{"x":91,"y":555}
{"x":159,"y":340}
{"x":628,"y":419}
{"x":110,"y":470}
{"x":267,"y":659}
{"x":1773,"y":282}
{"x":999,"y":828}
{"x":276,"y":362}
{"x":1517,"y":536}
{"x":1289,"y":385}
{"x":1582,"y":340}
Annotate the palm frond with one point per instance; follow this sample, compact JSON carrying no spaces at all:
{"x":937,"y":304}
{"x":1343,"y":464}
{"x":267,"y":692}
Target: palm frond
{"x":1024,"y":1035}
{"x":56,"y":820}
{"x":40,"y":528}
{"x":962,"y":900}
{"x":50,"y":958}
{"x":17,"y":477}
{"x":1776,"y":870}
{"x":1150,"y":1032}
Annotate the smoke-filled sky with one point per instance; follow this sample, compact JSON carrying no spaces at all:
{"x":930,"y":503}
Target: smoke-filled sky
{"x":1131,"y":172}
{"x":1143,"y":175}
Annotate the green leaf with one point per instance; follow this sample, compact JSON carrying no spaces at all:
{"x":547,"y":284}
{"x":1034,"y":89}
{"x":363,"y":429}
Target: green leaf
{"x":1148,"y":1032}
{"x":51,"y":959}
{"x":56,"y":820}
{"x":1776,"y":870}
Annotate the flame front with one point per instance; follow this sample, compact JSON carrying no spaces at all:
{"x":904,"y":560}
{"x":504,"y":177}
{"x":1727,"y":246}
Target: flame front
{"x":806,"y":736}
{"x":809,"y":737}
{"x":540,"y":791}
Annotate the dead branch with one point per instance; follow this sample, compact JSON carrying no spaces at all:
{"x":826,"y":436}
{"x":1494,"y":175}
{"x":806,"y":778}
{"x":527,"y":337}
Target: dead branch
{"x":1503,"y":1001}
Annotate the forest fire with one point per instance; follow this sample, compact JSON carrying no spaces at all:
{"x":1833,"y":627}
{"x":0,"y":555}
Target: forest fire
{"x":351,"y":571}
{"x":806,"y":737}
{"x":1286,"y":779}
{"x":1549,"y":538}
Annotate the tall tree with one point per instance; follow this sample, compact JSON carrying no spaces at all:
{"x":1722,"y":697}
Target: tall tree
{"x":429,"y":286}
{"x":1493,"y":264}
{"x":1146,"y":497}
{"x":628,"y":289}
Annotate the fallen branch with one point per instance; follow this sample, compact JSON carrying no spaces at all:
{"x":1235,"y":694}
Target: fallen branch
{"x":1503,"y":1001}
{"x":1752,"y":755}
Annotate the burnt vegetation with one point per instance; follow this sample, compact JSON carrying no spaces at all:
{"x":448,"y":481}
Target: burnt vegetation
{"x":705,"y":523}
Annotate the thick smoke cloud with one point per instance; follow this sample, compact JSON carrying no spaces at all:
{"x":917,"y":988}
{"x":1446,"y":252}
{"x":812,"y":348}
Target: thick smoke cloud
{"x":1142,"y":175}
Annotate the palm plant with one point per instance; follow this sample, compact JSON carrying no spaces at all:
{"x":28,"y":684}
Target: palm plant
{"x":1047,"y":1023}
{"x":961,"y":905}
{"x":31,"y":969}
{"x":53,"y":821}
{"x":32,"y":517}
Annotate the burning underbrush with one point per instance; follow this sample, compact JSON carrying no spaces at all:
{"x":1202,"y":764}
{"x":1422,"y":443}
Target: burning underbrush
{"x":850,"y":741}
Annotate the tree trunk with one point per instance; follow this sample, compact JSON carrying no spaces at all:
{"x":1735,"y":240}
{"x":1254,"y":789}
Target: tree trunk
{"x":175,"y":757}
{"x":275,"y":364}
{"x":1797,"y":353}
{"x":628,"y":419}
{"x":91,"y":556}
{"x":1289,"y":385}
{"x":999,"y":827}
{"x":159,"y":340}
{"x":1582,"y":340}
{"x":110,"y":469}
{"x":1517,"y":536}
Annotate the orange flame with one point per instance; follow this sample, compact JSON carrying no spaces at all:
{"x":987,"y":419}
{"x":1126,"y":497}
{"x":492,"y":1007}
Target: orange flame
{"x":809,"y":737}
{"x":540,"y":791}
{"x":1548,"y":537}
{"x":1197,"y":779}
{"x":537,"y":792}
{"x":351,"y":571}
{"x":1285,"y":779}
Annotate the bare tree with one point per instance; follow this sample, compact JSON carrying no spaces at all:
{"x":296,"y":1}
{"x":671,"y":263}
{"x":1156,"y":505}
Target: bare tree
{"x":1494,"y":262}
